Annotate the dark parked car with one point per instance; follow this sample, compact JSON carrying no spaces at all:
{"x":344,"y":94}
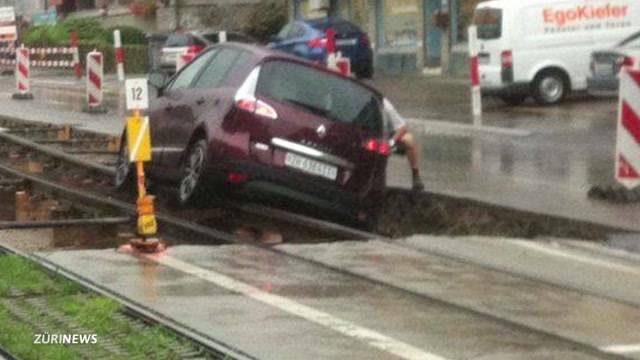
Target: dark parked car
{"x":193,"y":42}
{"x":258,"y":119}
{"x":308,"y":39}
{"x":605,"y":66}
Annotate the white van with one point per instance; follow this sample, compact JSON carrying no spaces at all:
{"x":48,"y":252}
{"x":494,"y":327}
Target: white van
{"x":542,"y":48}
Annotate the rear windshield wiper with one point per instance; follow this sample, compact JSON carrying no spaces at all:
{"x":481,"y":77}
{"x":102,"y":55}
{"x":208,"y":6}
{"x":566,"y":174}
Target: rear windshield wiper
{"x":313,"y":109}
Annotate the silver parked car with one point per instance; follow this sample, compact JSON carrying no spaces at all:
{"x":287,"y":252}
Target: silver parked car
{"x":606,"y":65}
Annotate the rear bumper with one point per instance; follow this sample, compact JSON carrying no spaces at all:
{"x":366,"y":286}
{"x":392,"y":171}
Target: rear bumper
{"x":603,"y":86}
{"x":516,"y":88}
{"x":271,"y":183}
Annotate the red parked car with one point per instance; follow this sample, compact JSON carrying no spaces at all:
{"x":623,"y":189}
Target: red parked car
{"x":259,"y":119}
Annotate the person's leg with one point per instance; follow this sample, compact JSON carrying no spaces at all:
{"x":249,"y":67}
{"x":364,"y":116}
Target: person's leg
{"x":412,"y":156}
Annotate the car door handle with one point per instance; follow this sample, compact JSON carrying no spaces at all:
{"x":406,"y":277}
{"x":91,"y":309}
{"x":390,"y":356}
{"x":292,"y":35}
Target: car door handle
{"x":200,"y":101}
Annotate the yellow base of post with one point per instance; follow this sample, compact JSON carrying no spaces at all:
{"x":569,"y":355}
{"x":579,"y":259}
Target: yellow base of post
{"x":147,"y":224}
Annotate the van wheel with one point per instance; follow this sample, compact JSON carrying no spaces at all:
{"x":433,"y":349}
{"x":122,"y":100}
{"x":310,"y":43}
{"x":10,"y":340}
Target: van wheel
{"x":550,"y":87}
{"x":190,"y":184}
{"x":513,"y":100}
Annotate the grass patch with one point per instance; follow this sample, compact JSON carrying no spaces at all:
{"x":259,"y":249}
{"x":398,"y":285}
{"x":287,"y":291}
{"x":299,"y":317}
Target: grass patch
{"x":97,"y":314}
{"x":18,"y":338}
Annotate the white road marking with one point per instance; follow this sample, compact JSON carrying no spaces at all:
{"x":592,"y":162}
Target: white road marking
{"x":585,"y":259}
{"x":371,"y":337}
{"x":621,"y":349}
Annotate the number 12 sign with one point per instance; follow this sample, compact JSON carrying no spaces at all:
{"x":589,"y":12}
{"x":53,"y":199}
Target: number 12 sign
{"x":137,"y":94}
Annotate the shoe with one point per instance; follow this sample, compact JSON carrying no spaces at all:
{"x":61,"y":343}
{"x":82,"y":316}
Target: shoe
{"x":417,"y":184}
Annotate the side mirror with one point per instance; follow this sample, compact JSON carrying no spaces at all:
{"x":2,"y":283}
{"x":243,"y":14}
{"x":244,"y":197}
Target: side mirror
{"x":158,"y":80}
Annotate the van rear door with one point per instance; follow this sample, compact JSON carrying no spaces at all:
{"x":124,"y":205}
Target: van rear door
{"x":489,"y":21}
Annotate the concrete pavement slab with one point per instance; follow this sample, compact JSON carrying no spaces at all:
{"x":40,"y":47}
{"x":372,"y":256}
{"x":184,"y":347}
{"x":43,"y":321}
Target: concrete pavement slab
{"x":567,"y":313}
{"x":597,"y":275}
{"x":236,"y":294}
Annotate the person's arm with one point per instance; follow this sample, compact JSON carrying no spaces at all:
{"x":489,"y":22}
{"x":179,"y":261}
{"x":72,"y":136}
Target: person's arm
{"x":397,"y":121}
{"x":400,"y":132}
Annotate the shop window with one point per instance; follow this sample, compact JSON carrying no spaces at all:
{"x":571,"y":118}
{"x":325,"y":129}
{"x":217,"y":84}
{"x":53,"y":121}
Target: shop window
{"x":400,"y":19}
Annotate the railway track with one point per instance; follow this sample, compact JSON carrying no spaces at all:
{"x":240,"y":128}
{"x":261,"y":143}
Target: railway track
{"x":177,"y":225}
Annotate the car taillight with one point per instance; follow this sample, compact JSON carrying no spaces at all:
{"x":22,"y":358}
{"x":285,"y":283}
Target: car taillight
{"x":627,"y":61}
{"x":195,"y":49}
{"x":506,"y":59}
{"x":378,"y":146}
{"x":506,"y":62}
{"x":317,"y":43}
{"x":237,"y":178}
{"x":257,"y":107}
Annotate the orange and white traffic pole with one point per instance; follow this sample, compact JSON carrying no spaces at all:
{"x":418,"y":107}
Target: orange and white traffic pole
{"x":95,"y":80}
{"x":627,"y":160}
{"x":117,"y":45}
{"x":22,"y":74}
{"x":476,"y":98}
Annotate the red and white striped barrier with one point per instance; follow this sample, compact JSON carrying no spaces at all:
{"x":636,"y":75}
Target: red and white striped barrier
{"x":335,"y":60}
{"x":22,"y":75}
{"x":117,"y":44}
{"x":627,"y":169}
{"x":95,"y":78}
{"x":476,"y":98}
{"x":10,"y":53}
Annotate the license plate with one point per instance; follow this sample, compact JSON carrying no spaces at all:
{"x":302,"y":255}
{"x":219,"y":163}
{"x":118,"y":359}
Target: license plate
{"x":484,"y":59}
{"x":343,"y":42}
{"x":311,"y":166}
{"x":603,"y":69}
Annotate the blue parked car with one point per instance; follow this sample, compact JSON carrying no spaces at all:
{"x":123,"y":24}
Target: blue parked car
{"x":307,"y":39}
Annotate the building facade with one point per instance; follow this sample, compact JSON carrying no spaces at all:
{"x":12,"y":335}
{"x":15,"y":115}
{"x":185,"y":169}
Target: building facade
{"x":404,"y":33}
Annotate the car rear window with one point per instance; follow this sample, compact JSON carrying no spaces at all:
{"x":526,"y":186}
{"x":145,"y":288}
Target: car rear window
{"x":178,"y":40}
{"x":324,"y":94}
{"x":340,"y":27}
{"x":488,"y":22}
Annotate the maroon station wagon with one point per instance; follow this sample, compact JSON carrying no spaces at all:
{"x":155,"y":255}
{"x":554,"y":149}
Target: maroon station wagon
{"x":259,"y":119}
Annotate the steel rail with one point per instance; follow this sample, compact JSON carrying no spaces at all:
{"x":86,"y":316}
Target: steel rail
{"x":227,"y":238}
{"x":4,"y":225}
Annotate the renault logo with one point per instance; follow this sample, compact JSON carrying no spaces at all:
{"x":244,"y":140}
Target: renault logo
{"x":322,"y":131}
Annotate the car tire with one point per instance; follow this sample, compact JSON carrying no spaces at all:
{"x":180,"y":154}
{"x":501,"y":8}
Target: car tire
{"x":550,"y":87}
{"x":125,"y":172}
{"x":190,"y":185}
{"x":513,"y":100}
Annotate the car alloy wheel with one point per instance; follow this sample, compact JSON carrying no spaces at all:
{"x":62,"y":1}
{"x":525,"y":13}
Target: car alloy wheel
{"x":193,"y":168}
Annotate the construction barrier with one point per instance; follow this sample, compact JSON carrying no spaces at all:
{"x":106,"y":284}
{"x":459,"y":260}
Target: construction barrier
{"x":22,"y":75}
{"x":476,"y":98}
{"x":627,"y":168}
{"x":335,"y":60}
{"x":39,"y":57}
{"x":117,"y":44}
{"x":95,"y":78}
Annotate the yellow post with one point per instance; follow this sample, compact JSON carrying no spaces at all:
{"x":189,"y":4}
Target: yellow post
{"x":147,"y":224}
